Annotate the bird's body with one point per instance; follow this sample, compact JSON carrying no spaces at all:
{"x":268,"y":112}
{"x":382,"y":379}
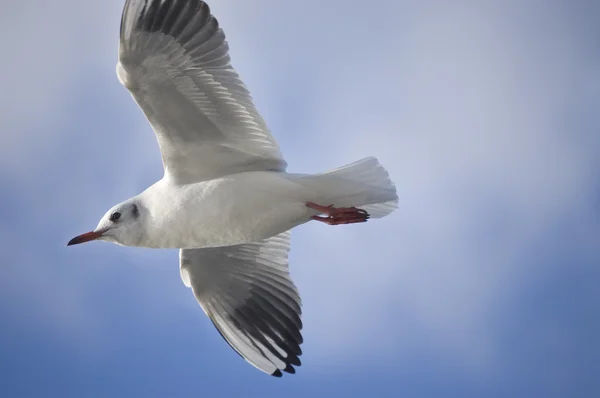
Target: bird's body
{"x":234,"y":209}
{"x":226,"y":199}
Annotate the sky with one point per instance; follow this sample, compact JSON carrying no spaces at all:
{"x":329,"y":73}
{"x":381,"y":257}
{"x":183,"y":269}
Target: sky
{"x":482,"y":283}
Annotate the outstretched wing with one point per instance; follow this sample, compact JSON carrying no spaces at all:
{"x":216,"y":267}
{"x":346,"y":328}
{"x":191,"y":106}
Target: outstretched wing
{"x":174,"y":59}
{"x":247,"y":293}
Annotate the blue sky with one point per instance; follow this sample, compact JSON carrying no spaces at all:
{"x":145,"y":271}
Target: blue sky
{"x":483,"y":283}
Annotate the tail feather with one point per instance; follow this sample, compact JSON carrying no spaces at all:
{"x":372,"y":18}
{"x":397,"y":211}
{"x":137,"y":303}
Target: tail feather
{"x":364,"y":183}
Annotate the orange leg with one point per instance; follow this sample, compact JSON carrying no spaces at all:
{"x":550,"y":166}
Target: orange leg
{"x":338,"y":215}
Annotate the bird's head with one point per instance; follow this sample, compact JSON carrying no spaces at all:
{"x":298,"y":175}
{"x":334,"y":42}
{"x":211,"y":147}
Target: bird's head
{"x":121,"y":225}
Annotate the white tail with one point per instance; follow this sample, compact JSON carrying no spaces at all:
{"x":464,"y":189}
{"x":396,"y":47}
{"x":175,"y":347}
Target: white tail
{"x":364,"y":183}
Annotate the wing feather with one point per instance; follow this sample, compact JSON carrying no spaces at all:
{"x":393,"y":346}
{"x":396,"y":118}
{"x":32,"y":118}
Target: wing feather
{"x":174,"y":59}
{"x":247,"y":293}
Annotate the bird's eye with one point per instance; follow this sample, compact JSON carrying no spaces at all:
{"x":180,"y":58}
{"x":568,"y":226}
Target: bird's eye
{"x":115,"y":216}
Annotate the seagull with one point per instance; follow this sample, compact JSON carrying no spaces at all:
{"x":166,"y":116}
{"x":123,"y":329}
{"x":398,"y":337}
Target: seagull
{"x":225,"y":199}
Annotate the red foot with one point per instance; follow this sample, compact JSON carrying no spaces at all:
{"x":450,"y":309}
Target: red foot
{"x":339,"y":215}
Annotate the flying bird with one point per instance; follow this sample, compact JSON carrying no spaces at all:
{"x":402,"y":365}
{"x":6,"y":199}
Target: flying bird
{"x":225,"y":199}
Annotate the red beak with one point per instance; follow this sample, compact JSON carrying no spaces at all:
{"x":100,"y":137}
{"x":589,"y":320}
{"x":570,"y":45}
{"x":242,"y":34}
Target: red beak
{"x":88,"y":236}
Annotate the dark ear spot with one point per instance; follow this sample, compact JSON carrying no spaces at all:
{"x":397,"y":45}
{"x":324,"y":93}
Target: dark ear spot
{"x":135,"y":211}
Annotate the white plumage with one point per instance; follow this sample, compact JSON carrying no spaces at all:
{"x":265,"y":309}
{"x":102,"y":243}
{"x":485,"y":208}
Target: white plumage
{"x":225,"y":198}
{"x":174,"y":59}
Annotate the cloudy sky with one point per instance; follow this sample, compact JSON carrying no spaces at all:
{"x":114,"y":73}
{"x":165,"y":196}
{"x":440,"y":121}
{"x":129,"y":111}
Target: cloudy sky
{"x":483,"y":283}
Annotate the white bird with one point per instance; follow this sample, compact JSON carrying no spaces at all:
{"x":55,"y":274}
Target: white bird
{"x":225,"y":199}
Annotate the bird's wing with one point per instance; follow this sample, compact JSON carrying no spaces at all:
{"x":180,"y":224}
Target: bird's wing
{"x":247,"y":293}
{"x":174,"y":59}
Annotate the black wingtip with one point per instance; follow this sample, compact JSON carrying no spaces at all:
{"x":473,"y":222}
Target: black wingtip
{"x":289,"y":369}
{"x":277,"y":373}
{"x":294,"y":360}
